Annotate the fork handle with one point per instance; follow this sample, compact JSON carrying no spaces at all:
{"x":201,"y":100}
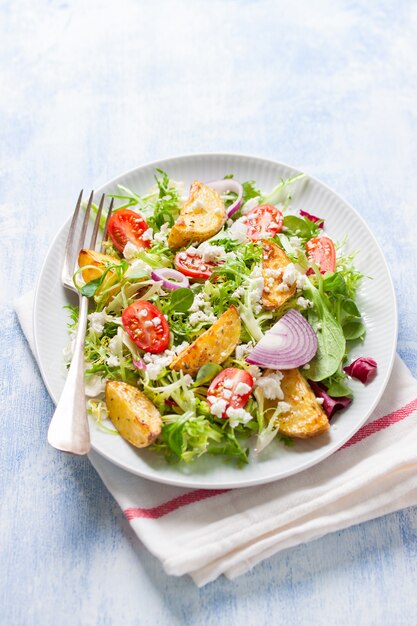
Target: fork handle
{"x":68,"y":430}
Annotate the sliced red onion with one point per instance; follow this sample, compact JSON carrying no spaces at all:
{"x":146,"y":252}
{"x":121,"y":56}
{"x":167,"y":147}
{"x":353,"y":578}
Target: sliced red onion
{"x":139,"y":364}
{"x":364,"y":369}
{"x":291,"y":342}
{"x":330,"y":405}
{"x":229,"y":184}
{"x":312,"y":218}
{"x":171,"y":279}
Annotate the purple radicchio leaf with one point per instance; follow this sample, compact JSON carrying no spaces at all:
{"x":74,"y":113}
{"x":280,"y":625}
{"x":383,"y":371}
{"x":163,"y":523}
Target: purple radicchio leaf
{"x":364,"y":369}
{"x":330,"y":405}
{"x":312,"y":218}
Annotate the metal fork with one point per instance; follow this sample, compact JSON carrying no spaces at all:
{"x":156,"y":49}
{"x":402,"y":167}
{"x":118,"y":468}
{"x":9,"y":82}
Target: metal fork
{"x":68,"y":430}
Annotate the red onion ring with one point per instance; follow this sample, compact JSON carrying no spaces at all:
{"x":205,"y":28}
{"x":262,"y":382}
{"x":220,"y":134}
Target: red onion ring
{"x":229,"y":184}
{"x":290,"y":343}
{"x":171,"y":279}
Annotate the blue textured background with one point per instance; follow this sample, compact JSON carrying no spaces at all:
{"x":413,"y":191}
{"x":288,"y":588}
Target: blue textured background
{"x":90,"y":89}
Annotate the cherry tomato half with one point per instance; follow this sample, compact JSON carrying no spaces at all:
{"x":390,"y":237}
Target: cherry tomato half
{"x":264,"y":222}
{"x":126,"y":225}
{"x":321,"y":250}
{"x":146,"y":326}
{"x":194,"y":266}
{"x":231,"y":385}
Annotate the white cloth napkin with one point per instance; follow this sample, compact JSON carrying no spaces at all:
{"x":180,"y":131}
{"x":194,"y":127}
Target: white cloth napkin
{"x":208,"y":533}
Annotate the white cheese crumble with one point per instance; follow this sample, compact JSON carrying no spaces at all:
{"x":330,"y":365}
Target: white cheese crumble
{"x":242,"y":389}
{"x":255,"y":371}
{"x":243,"y":349}
{"x":156,"y":321}
{"x":238,"y":416}
{"x":156,"y":363}
{"x":113,"y":361}
{"x":97,"y":320}
{"x":292,"y":276}
{"x":271,"y":385}
{"x":249,"y":205}
{"x":130,"y":251}
{"x":256,"y":287}
{"x":228,"y":383}
{"x":201,"y":317}
{"x":217,"y":406}
{"x":304,"y":303}
{"x":147,"y":235}
{"x":296,"y":242}
{"x":238,"y":231}
{"x":162,"y":236}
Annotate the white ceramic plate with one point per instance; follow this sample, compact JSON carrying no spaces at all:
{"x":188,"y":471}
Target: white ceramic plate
{"x":376,"y":299}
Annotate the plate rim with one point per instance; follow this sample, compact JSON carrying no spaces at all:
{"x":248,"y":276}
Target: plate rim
{"x":182,"y":480}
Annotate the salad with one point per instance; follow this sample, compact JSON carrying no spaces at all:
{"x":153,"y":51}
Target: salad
{"x":221,"y":320}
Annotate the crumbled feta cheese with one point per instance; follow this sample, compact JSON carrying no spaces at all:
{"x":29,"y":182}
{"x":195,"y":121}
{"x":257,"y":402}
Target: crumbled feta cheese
{"x":271,"y":385}
{"x":290,"y":276}
{"x":306,"y":366}
{"x":113,"y":361}
{"x":182,"y":256}
{"x":130,"y":251}
{"x":147,"y":235}
{"x":115,"y":345}
{"x":162,"y":236}
{"x":217,"y":406}
{"x":256,"y":285}
{"x":238,"y":231}
{"x":156,"y":363}
{"x":242,"y":389}
{"x":156,"y":321}
{"x":227,"y":393}
{"x":296,"y":242}
{"x":304,"y":303}
{"x":212,"y":253}
{"x":254,"y":371}
{"x":97,"y":321}
{"x":243,"y":349}
{"x":228,"y":383}
{"x":238,"y":416}
{"x":201,"y":317}
{"x":147,"y":323}
{"x":320,"y":400}
{"x":138,"y":264}
{"x":240,"y":291}
{"x":249,"y":205}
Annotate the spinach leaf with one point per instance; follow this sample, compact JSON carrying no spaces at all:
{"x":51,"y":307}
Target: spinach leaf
{"x":330,"y":337}
{"x":354,"y":329}
{"x":181,"y":300}
{"x":206,"y":373}
{"x":300,"y":226}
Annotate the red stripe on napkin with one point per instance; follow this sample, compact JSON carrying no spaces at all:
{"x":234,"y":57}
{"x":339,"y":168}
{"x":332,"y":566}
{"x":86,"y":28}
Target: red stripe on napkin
{"x":381,"y":423}
{"x":172,"y":505}
{"x":201,"y":494}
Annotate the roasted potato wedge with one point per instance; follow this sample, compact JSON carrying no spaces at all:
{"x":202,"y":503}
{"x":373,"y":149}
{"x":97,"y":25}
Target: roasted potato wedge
{"x":274,"y":258}
{"x":99,"y":260}
{"x":201,"y":217}
{"x":214,"y":345}
{"x":133,"y":414}
{"x":306,"y":417}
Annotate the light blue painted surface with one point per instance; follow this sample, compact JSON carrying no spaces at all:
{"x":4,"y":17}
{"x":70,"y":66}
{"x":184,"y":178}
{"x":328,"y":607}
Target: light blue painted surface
{"x":90,"y":89}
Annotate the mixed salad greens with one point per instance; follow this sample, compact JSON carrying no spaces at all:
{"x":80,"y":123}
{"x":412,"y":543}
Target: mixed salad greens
{"x":292,"y":290}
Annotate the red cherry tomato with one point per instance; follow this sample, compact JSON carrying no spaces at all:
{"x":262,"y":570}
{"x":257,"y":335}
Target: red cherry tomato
{"x":264,"y":222}
{"x":126,"y":225}
{"x":227,"y":386}
{"x":194,"y":266}
{"x":321,"y":250}
{"x":146,"y":326}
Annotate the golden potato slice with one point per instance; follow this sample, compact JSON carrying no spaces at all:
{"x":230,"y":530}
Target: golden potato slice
{"x":306,"y":417}
{"x":133,"y":414}
{"x":273,"y":259}
{"x":99,"y":260}
{"x":201,"y":217}
{"x":214,"y":345}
